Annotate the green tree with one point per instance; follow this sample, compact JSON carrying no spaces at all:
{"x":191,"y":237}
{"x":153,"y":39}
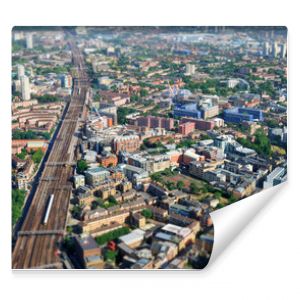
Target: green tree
{"x":143,"y":147}
{"x":112,"y":235}
{"x":18,"y":197}
{"x":112,"y":200}
{"x":204,"y":189}
{"x":29,"y":135}
{"x":23,"y":154}
{"x":180,"y":185}
{"x":218,"y":195}
{"x":186,"y":143}
{"x":134,"y":98}
{"x":147,"y":213}
{"x":94,"y":205}
{"x":69,"y":229}
{"x":194,"y":188}
{"x":47,"y":98}
{"x":37,"y":156}
{"x":261,"y":144}
{"x":82,"y":166}
{"x":156,"y":177}
{"x":110,"y":255}
{"x":232,"y":199}
{"x":143,"y":93}
{"x":76,"y":211}
{"x":122,"y":112}
{"x":170,"y":185}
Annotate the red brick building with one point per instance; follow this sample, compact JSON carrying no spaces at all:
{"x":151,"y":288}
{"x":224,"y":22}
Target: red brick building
{"x":186,"y":128}
{"x":199,"y":124}
{"x":126,"y":143}
{"x":108,"y":161}
{"x":155,"y":122}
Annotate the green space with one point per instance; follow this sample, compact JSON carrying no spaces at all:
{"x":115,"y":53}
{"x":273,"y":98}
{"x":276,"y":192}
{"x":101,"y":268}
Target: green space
{"x":268,"y":88}
{"x":17,"y":46}
{"x":210,"y":86}
{"x":30,"y":135}
{"x":122,"y":112}
{"x":199,"y":189}
{"x":56,"y":69}
{"x":19,"y":60}
{"x":22,"y":155}
{"x":76,"y":211}
{"x":37,"y":156}
{"x":185,"y":143}
{"x":110,"y":255}
{"x":261,"y":143}
{"x":153,"y":148}
{"x":180,"y":185}
{"x":147,"y":213}
{"x":272,"y":123}
{"x":47,"y":98}
{"x":160,"y":176}
{"x":143,"y":93}
{"x":109,"y":202}
{"x":82,"y":166}
{"x":112,"y":235}
{"x":18,"y":197}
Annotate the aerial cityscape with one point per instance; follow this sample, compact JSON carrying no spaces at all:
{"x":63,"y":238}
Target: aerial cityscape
{"x":125,"y":139}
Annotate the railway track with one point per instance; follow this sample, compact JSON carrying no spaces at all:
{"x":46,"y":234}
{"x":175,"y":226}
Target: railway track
{"x":37,"y":244}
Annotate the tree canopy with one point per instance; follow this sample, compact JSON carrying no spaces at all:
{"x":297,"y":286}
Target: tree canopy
{"x":18,"y":197}
{"x":147,"y":213}
{"x":261,"y":144}
{"x":30,"y":135}
{"x":82,"y":166}
{"x":37,"y":156}
{"x":112,"y":235}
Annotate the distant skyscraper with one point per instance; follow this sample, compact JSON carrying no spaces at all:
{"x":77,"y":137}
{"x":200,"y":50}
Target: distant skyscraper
{"x":21,"y":71}
{"x":275,"y":50}
{"x":29,"y":41}
{"x":25,"y":88}
{"x":283,"y":50}
{"x":266,"y":49}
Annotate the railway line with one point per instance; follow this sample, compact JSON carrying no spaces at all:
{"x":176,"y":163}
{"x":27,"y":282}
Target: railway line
{"x":38,"y":240}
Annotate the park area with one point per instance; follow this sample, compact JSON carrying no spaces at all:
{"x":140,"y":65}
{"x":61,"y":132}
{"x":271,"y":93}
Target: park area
{"x":199,"y":189}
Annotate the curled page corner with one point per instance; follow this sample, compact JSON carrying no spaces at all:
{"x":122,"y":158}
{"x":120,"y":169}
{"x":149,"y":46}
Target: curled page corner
{"x":230,"y":221}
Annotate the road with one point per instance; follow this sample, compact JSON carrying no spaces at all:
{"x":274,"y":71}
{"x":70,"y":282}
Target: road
{"x":37,"y":243}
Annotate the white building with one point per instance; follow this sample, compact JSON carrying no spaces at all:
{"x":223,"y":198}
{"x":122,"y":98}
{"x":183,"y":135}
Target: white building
{"x":78,"y":180}
{"x":275,"y":177}
{"x":266,"y":49}
{"x":232,"y":83}
{"x":275,"y":49}
{"x":29,"y":41}
{"x":25,"y":88}
{"x":190,"y":69}
{"x":283,"y":50}
{"x":21,"y":71}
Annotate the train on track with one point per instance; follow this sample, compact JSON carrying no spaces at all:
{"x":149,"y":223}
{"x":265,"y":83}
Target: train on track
{"x":49,"y":206}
